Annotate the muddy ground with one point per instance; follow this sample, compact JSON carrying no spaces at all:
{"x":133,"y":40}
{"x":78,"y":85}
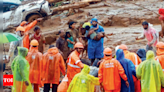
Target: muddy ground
{"x":121,"y":18}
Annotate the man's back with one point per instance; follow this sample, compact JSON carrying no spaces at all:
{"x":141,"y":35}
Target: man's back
{"x":151,"y":74}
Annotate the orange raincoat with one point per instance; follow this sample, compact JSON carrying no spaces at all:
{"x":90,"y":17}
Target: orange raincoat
{"x":34,"y":58}
{"x":136,"y":61}
{"x":53,"y":63}
{"x":26,"y":41}
{"x":109,"y":74}
{"x":74,"y":65}
{"x":160,"y":59}
{"x":63,"y":86}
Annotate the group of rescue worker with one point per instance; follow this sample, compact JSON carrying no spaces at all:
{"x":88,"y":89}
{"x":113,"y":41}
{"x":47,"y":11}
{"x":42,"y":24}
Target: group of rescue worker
{"x":128,"y":72}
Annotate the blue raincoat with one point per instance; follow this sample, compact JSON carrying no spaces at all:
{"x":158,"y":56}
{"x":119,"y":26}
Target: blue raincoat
{"x":95,"y":48}
{"x":129,"y":71}
{"x":142,"y":54}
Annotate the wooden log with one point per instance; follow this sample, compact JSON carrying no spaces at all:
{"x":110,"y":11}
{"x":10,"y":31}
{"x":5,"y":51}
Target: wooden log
{"x":73,"y":6}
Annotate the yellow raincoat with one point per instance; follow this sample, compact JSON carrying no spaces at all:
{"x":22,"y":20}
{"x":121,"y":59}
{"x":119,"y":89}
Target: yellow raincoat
{"x":151,"y":74}
{"x":83,"y":82}
{"x":20,"y":68}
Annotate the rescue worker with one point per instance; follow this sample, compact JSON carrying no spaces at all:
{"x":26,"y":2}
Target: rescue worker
{"x":150,"y":34}
{"x":160,"y":56}
{"x":83,"y":81}
{"x":111,"y":72}
{"x":40,"y":38}
{"x":53,"y":63}
{"x":150,"y":73}
{"x":74,"y":64}
{"x":20,"y":68}
{"x":63,"y":86}
{"x":161,"y":18}
{"x":27,"y":27}
{"x":95,"y":48}
{"x":136,"y":61}
{"x":142,"y":54}
{"x":34,"y":58}
{"x":130,"y":55}
{"x":13,"y":51}
{"x":129,"y":71}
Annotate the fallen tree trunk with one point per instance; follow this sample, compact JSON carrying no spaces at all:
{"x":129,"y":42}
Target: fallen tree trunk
{"x":73,"y":6}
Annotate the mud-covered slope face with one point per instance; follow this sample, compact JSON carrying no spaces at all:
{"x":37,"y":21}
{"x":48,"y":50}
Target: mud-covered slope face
{"x":126,"y":35}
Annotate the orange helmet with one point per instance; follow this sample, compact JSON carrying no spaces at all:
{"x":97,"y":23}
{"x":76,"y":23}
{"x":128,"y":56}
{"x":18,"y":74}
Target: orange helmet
{"x":78,"y":45}
{"x":107,"y":51}
{"x":160,"y":45}
{"x":123,"y":47}
{"x":34,"y":43}
{"x":20,"y":29}
{"x":23,"y":23}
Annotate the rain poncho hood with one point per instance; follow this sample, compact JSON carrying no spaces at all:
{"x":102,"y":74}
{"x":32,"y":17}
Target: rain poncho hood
{"x":20,"y":68}
{"x":142,"y":54}
{"x":33,"y":49}
{"x":151,"y":74}
{"x":94,"y":19}
{"x":53,"y":50}
{"x":160,"y":51}
{"x":83,"y":82}
{"x":129,"y":71}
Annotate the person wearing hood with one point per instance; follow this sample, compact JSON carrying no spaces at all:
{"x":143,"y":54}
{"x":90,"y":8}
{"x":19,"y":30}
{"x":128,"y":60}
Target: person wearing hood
{"x":150,"y":34}
{"x":161,"y":18}
{"x":20,"y":69}
{"x":142,"y":54}
{"x":151,"y":74}
{"x":110,"y":73}
{"x":13,"y":51}
{"x":28,"y":26}
{"x":136,"y":61}
{"x":34,"y":57}
{"x":160,"y":56}
{"x":95,"y":48}
{"x":53,"y":63}
{"x":83,"y":81}
{"x":129,"y":71}
{"x":74,"y":64}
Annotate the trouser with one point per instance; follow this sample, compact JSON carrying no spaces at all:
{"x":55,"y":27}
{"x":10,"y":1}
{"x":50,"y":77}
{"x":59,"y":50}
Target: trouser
{"x":93,"y":61}
{"x":36,"y":87}
{"x":137,"y":86}
{"x":151,"y":48}
{"x":116,"y":90}
{"x":47,"y":87}
{"x":162,"y":89}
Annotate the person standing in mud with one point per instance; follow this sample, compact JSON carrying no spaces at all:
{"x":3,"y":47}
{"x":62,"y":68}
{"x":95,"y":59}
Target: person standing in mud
{"x":62,"y":45}
{"x":161,"y":18}
{"x":150,"y":34}
{"x":95,"y":48}
{"x":40,"y":38}
{"x":73,"y":31}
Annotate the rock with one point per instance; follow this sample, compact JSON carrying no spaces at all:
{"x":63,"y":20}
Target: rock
{"x":149,"y":13}
{"x":106,"y":22}
{"x":134,"y":21}
{"x":125,"y":22}
{"x":50,"y":38}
